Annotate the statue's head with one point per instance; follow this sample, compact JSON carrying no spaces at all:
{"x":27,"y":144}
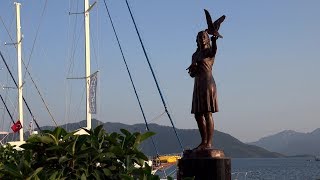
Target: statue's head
{"x":203,"y":39}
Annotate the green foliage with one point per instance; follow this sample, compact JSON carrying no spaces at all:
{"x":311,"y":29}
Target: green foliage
{"x":61,"y":155}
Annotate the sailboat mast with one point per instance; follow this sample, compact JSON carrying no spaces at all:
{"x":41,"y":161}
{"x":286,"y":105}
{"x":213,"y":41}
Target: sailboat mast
{"x":87,"y":59}
{"x":20,"y":100}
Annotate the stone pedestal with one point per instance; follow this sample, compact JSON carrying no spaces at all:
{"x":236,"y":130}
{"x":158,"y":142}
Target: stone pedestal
{"x":207,"y":164}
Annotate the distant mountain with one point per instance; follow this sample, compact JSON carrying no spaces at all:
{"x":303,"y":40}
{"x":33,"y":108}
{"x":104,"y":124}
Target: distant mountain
{"x":166,"y":141}
{"x":292,"y":143}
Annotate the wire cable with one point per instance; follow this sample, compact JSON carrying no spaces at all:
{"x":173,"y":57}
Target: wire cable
{"x":37,"y":32}
{"x":154,"y":77}
{"x":24,"y":100}
{"x":132,"y":83}
{"x":72,"y":35}
{"x":26,"y":66}
{"x":5,"y":105}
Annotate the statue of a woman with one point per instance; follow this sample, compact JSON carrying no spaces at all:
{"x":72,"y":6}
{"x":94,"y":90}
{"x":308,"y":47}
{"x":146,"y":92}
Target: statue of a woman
{"x":204,"y":101}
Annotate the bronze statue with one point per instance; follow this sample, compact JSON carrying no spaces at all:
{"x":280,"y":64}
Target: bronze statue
{"x":204,"y":101}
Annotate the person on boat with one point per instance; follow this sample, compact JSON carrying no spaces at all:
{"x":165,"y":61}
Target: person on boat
{"x":204,"y":101}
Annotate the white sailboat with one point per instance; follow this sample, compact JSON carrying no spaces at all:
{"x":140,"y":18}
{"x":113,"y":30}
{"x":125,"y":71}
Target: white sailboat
{"x":87,"y":77}
{"x":19,"y":125}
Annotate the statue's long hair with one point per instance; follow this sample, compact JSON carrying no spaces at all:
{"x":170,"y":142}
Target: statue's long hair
{"x":197,"y":40}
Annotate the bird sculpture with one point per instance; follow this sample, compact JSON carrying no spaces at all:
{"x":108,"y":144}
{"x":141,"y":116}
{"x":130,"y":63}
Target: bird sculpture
{"x":213,"y":27}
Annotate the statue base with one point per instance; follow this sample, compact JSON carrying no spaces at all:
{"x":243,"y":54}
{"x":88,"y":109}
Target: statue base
{"x":205,"y":164}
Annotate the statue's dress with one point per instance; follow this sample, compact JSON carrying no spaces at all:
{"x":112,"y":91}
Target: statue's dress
{"x":204,"y":90}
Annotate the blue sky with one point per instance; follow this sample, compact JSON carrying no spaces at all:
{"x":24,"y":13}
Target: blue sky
{"x":266,"y":68}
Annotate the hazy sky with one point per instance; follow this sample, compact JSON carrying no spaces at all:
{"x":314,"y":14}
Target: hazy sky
{"x":266,"y":68}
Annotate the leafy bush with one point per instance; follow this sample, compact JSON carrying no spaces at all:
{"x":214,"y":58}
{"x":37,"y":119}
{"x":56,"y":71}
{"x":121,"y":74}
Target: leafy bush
{"x":61,"y":155}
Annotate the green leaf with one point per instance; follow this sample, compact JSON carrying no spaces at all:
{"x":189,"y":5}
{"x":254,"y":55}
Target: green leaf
{"x":98,"y":131}
{"x":68,"y":136}
{"x":13,"y":171}
{"x":55,"y":140}
{"x":53,"y":176}
{"x":24,"y":166}
{"x":83,"y":176}
{"x":106,"y":172}
{"x":47,"y":131}
{"x":51,"y":158}
{"x":63,"y":159}
{"x":80,"y":141}
{"x":116,"y":150}
{"x":137,"y":141}
{"x":125,"y":132}
{"x":109,"y":155}
{"x":112,"y":168}
{"x":97,"y":174}
{"x":54,"y":148}
{"x":46,"y":139}
{"x":87,"y":151}
{"x":29,"y":146}
{"x":59,"y":132}
{"x":34,"y":174}
{"x":125,"y":177}
{"x":114,"y":135}
{"x":146,"y":135}
{"x":33,"y":138}
{"x":74,"y":146}
{"x":140,"y":155}
{"x":130,"y":141}
{"x":104,"y":156}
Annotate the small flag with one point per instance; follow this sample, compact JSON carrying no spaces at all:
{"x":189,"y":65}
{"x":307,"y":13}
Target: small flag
{"x":92,"y":93}
{"x":16,"y":126}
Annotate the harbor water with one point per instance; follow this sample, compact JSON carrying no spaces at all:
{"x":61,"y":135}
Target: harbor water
{"x":275,"y":169}
{"x":267,"y":169}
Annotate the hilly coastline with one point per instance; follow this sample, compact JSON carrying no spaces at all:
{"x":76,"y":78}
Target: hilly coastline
{"x":292,"y":143}
{"x":167,"y":143}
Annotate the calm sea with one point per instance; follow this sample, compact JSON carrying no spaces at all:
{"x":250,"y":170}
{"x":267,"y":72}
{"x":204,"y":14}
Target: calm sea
{"x":275,"y":169}
{"x":269,"y":169}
